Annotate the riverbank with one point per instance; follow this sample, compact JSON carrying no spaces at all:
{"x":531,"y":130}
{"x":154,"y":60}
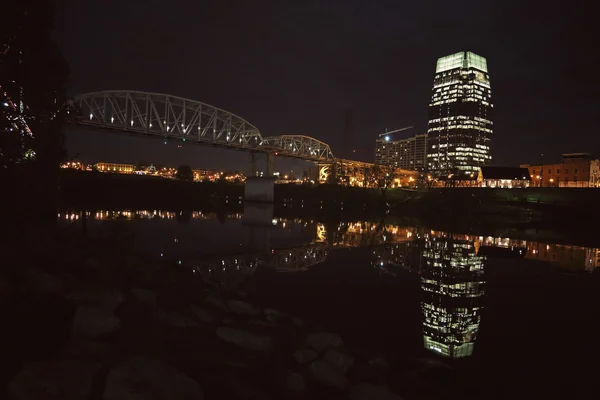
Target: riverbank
{"x":451,"y":209}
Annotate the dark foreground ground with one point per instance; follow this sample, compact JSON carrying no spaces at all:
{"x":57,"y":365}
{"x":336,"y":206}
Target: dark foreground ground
{"x":87,"y":319}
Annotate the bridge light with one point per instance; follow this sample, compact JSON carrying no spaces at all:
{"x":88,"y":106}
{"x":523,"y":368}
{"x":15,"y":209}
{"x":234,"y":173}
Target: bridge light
{"x":112,"y":119}
{"x":131,"y":122}
{"x":150,"y":124}
{"x":91,"y":116}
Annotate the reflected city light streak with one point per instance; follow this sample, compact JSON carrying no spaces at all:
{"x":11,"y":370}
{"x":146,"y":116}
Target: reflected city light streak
{"x":364,"y":234}
{"x":144,"y":214}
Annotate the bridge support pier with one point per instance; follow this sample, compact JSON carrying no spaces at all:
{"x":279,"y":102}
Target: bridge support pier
{"x":261,"y":186}
{"x":259,"y":189}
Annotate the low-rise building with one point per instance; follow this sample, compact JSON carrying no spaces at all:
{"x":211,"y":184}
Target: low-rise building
{"x":73,"y":165}
{"x":575,"y":170}
{"x":503,"y":177}
{"x":115,"y":168}
{"x":206,"y":174}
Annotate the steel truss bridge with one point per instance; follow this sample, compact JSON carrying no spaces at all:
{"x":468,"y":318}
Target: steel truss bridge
{"x":172,"y":117}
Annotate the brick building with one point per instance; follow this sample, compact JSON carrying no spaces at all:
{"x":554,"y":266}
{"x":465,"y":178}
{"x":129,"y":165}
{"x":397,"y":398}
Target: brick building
{"x":575,"y":170}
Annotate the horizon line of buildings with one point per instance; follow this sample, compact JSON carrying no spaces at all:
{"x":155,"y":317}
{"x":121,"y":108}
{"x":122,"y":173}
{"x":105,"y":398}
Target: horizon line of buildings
{"x":458,"y":141}
{"x":151,"y":170}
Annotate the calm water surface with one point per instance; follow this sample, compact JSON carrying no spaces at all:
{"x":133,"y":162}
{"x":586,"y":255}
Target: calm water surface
{"x":515,"y":318}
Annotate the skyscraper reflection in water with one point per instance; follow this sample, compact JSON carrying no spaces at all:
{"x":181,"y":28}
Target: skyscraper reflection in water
{"x":452,"y":284}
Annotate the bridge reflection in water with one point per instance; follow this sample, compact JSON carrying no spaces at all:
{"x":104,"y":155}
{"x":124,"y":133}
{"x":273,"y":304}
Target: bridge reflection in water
{"x":232,"y":270}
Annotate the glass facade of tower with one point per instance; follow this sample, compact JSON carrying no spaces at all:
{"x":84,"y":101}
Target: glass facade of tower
{"x":460,"y":116}
{"x":453,"y":286}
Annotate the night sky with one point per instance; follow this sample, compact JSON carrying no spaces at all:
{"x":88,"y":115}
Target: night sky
{"x":298,"y":67}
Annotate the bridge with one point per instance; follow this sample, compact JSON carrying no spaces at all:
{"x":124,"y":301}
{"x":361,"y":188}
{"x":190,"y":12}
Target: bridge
{"x":172,"y":117}
{"x":177,"y":118}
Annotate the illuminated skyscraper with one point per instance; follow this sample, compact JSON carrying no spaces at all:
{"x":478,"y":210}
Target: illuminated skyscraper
{"x":452,"y":288}
{"x":460,"y":116}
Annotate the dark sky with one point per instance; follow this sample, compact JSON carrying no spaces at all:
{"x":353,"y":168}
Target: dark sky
{"x":295,"y":67}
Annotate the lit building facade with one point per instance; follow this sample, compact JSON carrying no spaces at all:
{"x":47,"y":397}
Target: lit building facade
{"x":386,"y":151}
{"x":412,"y":153}
{"x":503,"y":177}
{"x":575,"y":170}
{"x":356,"y":173}
{"x":115,"y":168}
{"x":460,"y":116}
{"x":409,"y":154}
{"x":452,"y":284}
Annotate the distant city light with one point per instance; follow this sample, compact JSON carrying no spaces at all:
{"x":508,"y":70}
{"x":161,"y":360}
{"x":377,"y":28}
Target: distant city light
{"x":387,"y":138}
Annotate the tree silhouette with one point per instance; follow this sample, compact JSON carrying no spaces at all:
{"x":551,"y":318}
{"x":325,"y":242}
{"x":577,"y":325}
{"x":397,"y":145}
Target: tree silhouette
{"x":382,"y":176}
{"x":185,"y":173}
{"x":33,"y":76}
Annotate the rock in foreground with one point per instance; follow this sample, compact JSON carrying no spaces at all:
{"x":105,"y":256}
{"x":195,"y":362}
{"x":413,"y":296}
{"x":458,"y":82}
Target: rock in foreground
{"x":327,"y":375}
{"x":140,"y":378}
{"x":324,"y":340}
{"x":243,"y":308}
{"x":339,"y":360}
{"x":54,"y":380}
{"x":91,"y":322}
{"x":304,"y":356}
{"x":244,"y":339}
{"x":367,"y":391}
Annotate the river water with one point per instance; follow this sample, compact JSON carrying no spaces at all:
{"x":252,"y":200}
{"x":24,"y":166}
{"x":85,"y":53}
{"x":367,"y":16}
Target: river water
{"x":514,"y":317}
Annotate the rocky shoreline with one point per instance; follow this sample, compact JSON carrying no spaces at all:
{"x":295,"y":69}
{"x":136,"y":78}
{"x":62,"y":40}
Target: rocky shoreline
{"x":98,"y":328}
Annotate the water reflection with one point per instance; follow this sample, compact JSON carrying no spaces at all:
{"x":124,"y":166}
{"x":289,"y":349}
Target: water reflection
{"x":229,"y":271}
{"x":181,"y":216}
{"x":569,"y":257}
{"x":452,"y":284}
{"x":371,"y":234}
{"x":389,"y":258}
{"x":361,"y":234}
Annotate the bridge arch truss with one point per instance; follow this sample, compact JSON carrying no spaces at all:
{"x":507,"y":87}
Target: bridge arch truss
{"x":300,"y":146}
{"x":167,"y":116}
{"x":191,"y":121}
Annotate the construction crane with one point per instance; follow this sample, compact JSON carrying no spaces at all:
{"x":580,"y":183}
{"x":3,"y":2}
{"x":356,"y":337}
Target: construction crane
{"x":387,"y":134}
